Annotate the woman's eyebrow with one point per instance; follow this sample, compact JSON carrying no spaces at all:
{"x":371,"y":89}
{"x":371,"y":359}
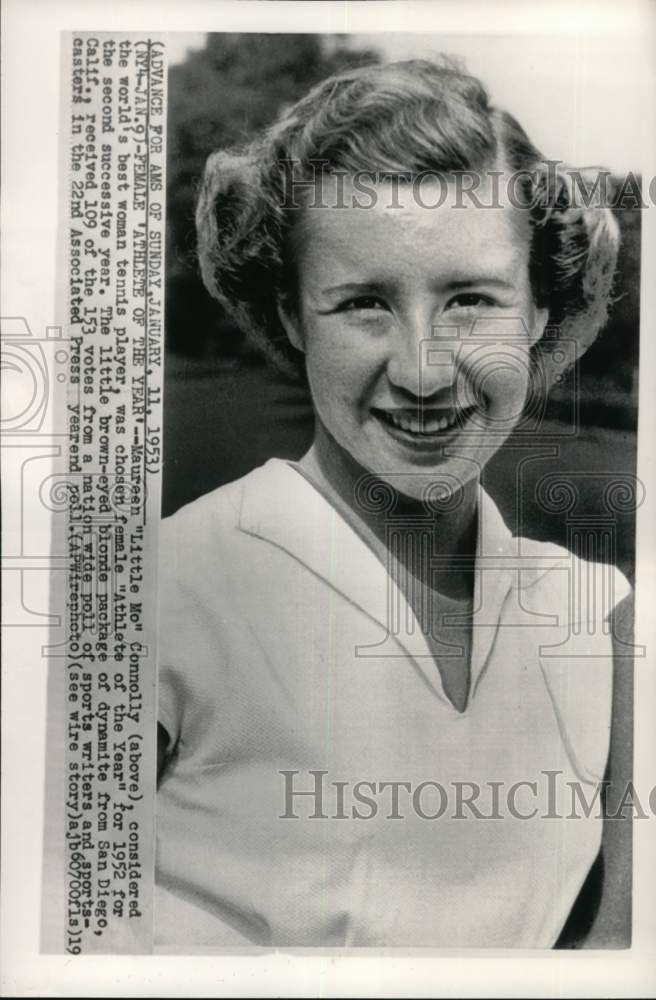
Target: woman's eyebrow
{"x":354,"y":286}
{"x":480,"y":279}
{"x":451,"y":285}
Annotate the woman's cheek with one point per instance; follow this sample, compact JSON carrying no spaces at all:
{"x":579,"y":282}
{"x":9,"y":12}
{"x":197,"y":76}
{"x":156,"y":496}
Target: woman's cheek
{"x":342,"y":354}
{"x":495,"y":376}
{"x":330,"y":377}
{"x":328,"y":368}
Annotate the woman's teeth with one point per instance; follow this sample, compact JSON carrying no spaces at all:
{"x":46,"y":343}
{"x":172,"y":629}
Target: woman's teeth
{"x":426,"y":424}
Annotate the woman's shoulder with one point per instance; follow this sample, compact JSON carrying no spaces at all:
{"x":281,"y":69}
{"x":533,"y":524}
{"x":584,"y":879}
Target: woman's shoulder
{"x":213,"y":510}
{"x":590,"y":588}
{"x":203,"y":539}
{"x":217,"y":511}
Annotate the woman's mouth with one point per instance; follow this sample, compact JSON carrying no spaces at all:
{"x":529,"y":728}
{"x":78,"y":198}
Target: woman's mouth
{"x":425,"y":426}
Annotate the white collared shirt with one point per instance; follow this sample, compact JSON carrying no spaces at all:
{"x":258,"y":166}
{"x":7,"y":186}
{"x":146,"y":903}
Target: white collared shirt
{"x":290,"y":662}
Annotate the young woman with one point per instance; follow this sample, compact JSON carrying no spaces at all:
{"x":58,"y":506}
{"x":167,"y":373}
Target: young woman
{"x":377,"y":706}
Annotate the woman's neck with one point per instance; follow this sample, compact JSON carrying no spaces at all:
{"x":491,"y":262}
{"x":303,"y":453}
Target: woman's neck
{"x":453,"y":532}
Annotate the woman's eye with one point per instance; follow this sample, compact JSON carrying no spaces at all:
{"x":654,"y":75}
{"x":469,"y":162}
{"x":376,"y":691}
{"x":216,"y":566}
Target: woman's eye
{"x":470,"y":300}
{"x":362,"y":303}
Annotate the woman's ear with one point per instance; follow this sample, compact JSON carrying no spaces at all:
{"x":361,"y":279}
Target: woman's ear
{"x":540,"y":319}
{"x":290,"y":323}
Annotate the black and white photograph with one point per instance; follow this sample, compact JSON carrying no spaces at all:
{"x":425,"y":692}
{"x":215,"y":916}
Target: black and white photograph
{"x":327,"y":475}
{"x":395,"y":637}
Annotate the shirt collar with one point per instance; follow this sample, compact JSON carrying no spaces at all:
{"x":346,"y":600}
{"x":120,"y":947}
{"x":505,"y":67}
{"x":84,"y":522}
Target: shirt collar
{"x":283,"y":507}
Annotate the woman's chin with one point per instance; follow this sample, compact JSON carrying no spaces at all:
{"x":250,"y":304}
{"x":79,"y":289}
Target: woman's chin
{"x":437,"y":482}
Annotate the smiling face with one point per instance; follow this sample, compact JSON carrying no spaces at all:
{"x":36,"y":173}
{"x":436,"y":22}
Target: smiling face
{"x":416,"y":325}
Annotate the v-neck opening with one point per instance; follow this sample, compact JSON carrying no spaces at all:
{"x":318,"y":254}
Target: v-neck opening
{"x":321,"y":548}
{"x":458,"y":607}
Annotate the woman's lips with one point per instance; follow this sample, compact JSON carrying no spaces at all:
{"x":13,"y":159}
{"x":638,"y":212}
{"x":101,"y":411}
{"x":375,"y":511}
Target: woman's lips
{"x":426,"y":426}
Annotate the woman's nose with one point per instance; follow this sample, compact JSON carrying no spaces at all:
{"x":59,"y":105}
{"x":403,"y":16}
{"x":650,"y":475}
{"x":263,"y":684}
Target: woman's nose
{"x":422,"y":361}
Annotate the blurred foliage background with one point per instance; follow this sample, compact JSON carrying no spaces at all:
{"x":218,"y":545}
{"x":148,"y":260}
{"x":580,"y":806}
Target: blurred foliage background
{"x":227,"y":412}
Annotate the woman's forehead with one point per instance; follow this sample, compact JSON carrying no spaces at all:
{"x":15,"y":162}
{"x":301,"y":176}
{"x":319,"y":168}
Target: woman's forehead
{"x":487,"y":189}
{"x":400,"y":222}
